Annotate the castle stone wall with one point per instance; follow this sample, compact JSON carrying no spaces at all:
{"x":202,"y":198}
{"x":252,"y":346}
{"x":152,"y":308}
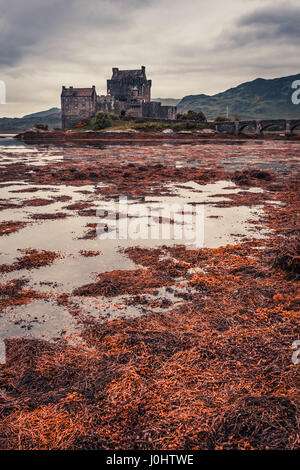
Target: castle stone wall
{"x":77,"y":105}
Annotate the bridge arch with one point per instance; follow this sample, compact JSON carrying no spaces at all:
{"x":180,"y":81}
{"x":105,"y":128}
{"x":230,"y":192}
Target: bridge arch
{"x":249,"y":126}
{"x":295,"y":125}
{"x":276,"y":123}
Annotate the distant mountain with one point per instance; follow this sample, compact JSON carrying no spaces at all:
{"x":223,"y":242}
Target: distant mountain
{"x":167,"y":101}
{"x":260,"y":98}
{"x":48,"y":112}
{"x":49,"y":118}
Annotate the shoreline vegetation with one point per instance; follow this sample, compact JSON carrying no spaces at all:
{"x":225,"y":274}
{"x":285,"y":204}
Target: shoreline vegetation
{"x":187,"y":121}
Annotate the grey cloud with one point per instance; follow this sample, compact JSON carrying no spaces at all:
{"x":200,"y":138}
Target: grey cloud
{"x":267,"y":24}
{"x":24,"y":25}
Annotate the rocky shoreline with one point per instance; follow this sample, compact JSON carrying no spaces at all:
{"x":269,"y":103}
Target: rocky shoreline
{"x":132,"y":136}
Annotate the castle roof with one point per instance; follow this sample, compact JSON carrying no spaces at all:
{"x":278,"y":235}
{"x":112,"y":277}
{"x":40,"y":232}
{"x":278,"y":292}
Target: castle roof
{"x":78,"y":91}
{"x":123,"y":74}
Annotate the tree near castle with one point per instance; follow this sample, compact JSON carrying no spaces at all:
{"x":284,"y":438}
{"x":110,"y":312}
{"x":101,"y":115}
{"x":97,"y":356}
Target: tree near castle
{"x":192,"y":116}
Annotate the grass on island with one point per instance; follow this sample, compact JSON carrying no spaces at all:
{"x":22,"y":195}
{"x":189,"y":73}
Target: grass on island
{"x":108,"y":121}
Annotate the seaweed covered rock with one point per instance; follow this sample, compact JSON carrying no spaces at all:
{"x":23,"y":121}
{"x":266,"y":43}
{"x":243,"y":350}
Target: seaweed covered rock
{"x":286,"y":256}
{"x":260,"y":423}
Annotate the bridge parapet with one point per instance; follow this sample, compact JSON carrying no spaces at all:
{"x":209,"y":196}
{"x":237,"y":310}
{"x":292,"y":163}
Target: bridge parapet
{"x":260,"y":125}
{"x":226,"y":127}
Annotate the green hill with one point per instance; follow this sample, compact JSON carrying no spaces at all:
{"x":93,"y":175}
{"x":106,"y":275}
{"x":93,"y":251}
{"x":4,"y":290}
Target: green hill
{"x":260,"y":98}
{"x":53,"y":120}
{"x":48,"y":112}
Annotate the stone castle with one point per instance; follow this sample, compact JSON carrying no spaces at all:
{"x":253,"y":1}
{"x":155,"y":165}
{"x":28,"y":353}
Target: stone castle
{"x":128,"y":94}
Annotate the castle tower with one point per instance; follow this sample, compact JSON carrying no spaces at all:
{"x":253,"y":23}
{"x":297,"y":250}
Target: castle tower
{"x":122,"y":83}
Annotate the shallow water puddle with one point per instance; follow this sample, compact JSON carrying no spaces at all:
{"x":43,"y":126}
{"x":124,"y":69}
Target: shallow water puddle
{"x":39,"y":319}
{"x":221,"y":226}
{"x":44,"y":318}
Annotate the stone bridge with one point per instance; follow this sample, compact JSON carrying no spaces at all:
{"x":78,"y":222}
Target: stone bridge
{"x":258,"y":125}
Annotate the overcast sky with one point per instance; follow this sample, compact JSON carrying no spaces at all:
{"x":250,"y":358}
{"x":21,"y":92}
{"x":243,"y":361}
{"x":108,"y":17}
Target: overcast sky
{"x":187,"y":46}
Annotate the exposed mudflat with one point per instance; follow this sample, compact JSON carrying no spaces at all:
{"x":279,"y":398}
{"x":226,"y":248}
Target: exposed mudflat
{"x":149,"y":342}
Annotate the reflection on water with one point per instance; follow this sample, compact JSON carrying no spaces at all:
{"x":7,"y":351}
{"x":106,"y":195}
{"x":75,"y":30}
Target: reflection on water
{"x":8,"y":142}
